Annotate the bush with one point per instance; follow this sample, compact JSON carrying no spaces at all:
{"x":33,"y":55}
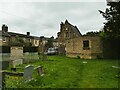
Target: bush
{"x":99,"y":57}
{"x":78,"y":57}
{"x":30,"y":49}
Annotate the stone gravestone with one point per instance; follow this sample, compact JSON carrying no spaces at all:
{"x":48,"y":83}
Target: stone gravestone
{"x":16,"y":55}
{"x":17,"y":62}
{"x":28,"y":72}
{"x":40,"y":70}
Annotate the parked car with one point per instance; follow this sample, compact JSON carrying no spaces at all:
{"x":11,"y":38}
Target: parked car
{"x":51,"y":51}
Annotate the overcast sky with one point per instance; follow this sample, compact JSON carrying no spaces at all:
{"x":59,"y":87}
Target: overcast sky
{"x":44,"y":18}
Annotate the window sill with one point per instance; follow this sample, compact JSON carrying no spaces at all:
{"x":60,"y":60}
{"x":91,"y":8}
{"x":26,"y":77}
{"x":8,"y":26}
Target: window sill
{"x":86,"y":48}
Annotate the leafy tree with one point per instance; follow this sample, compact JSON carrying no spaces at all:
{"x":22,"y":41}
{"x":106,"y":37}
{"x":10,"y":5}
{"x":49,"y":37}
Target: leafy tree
{"x":111,"y":32}
{"x":92,"y":33}
{"x":49,"y":44}
{"x":112,"y":16}
{"x":19,"y":42}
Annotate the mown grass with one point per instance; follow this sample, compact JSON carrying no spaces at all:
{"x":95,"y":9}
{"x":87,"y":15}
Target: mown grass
{"x":64,"y":72}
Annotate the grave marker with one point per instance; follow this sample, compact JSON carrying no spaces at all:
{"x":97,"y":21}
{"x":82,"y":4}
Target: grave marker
{"x":17,"y":62}
{"x":16,"y":55}
{"x":40,"y":70}
{"x":28,"y":72}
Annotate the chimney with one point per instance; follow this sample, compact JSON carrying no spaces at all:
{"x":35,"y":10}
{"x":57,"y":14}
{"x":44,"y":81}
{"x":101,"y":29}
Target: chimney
{"x":28,"y":33}
{"x":4,"y":28}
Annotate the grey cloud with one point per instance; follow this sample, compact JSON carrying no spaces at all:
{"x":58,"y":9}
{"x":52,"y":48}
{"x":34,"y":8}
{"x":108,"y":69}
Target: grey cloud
{"x":43,"y":18}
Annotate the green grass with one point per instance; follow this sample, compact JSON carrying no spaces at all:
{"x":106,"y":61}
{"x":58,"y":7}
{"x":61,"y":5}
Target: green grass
{"x":64,"y":72}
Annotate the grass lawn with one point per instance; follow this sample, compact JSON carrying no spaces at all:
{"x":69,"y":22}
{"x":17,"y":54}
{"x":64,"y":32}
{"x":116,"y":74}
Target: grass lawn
{"x":64,"y":72}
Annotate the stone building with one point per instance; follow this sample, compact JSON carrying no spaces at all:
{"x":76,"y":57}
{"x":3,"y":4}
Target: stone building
{"x":67,"y":31}
{"x":72,"y":43}
{"x":88,"y":47}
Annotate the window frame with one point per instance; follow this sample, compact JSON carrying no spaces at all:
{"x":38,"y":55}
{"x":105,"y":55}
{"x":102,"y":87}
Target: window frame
{"x":86,"y":44}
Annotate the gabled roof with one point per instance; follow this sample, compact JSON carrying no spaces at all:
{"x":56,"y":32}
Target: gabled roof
{"x":74,"y":28}
{"x":17,"y":34}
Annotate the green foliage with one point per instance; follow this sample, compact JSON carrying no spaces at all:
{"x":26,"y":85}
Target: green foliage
{"x":78,"y":57}
{"x":19,"y":42}
{"x":111,"y":32}
{"x":112,"y":16}
{"x":92,"y":33}
{"x":49,"y":44}
{"x":64,"y":72}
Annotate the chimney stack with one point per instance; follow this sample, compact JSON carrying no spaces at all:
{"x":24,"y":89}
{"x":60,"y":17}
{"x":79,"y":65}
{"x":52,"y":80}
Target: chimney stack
{"x":4,"y":28}
{"x":28,"y":33}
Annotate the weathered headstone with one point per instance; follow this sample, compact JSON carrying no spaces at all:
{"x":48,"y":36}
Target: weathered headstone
{"x":16,"y":55}
{"x":40,"y":70}
{"x":28,"y":72}
{"x":17,"y":62}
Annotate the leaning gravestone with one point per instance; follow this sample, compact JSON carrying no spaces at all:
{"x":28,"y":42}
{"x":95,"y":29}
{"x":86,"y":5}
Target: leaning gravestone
{"x":28,"y":72}
{"x":16,"y":55}
{"x":40,"y":71}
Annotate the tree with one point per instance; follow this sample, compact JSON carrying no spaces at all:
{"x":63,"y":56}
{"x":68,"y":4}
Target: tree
{"x":19,"y":42}
{"x":49,"y":44}
{"x":112,"y":28}
{"x":112,"y":16}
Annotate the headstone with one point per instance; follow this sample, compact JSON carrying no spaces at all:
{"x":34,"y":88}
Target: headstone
{"x":17,"y":62}
{"x":16,"y":53}
{"x":28,"y":72}
{"x":40,"y":70}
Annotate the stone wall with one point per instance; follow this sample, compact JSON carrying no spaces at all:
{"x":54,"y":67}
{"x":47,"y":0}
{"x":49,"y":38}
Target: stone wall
{"x":74,"y":47}
{"x":67,"y":31}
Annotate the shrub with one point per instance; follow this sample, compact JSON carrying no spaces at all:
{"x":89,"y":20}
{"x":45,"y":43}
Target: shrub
{"x":78,"y":57}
